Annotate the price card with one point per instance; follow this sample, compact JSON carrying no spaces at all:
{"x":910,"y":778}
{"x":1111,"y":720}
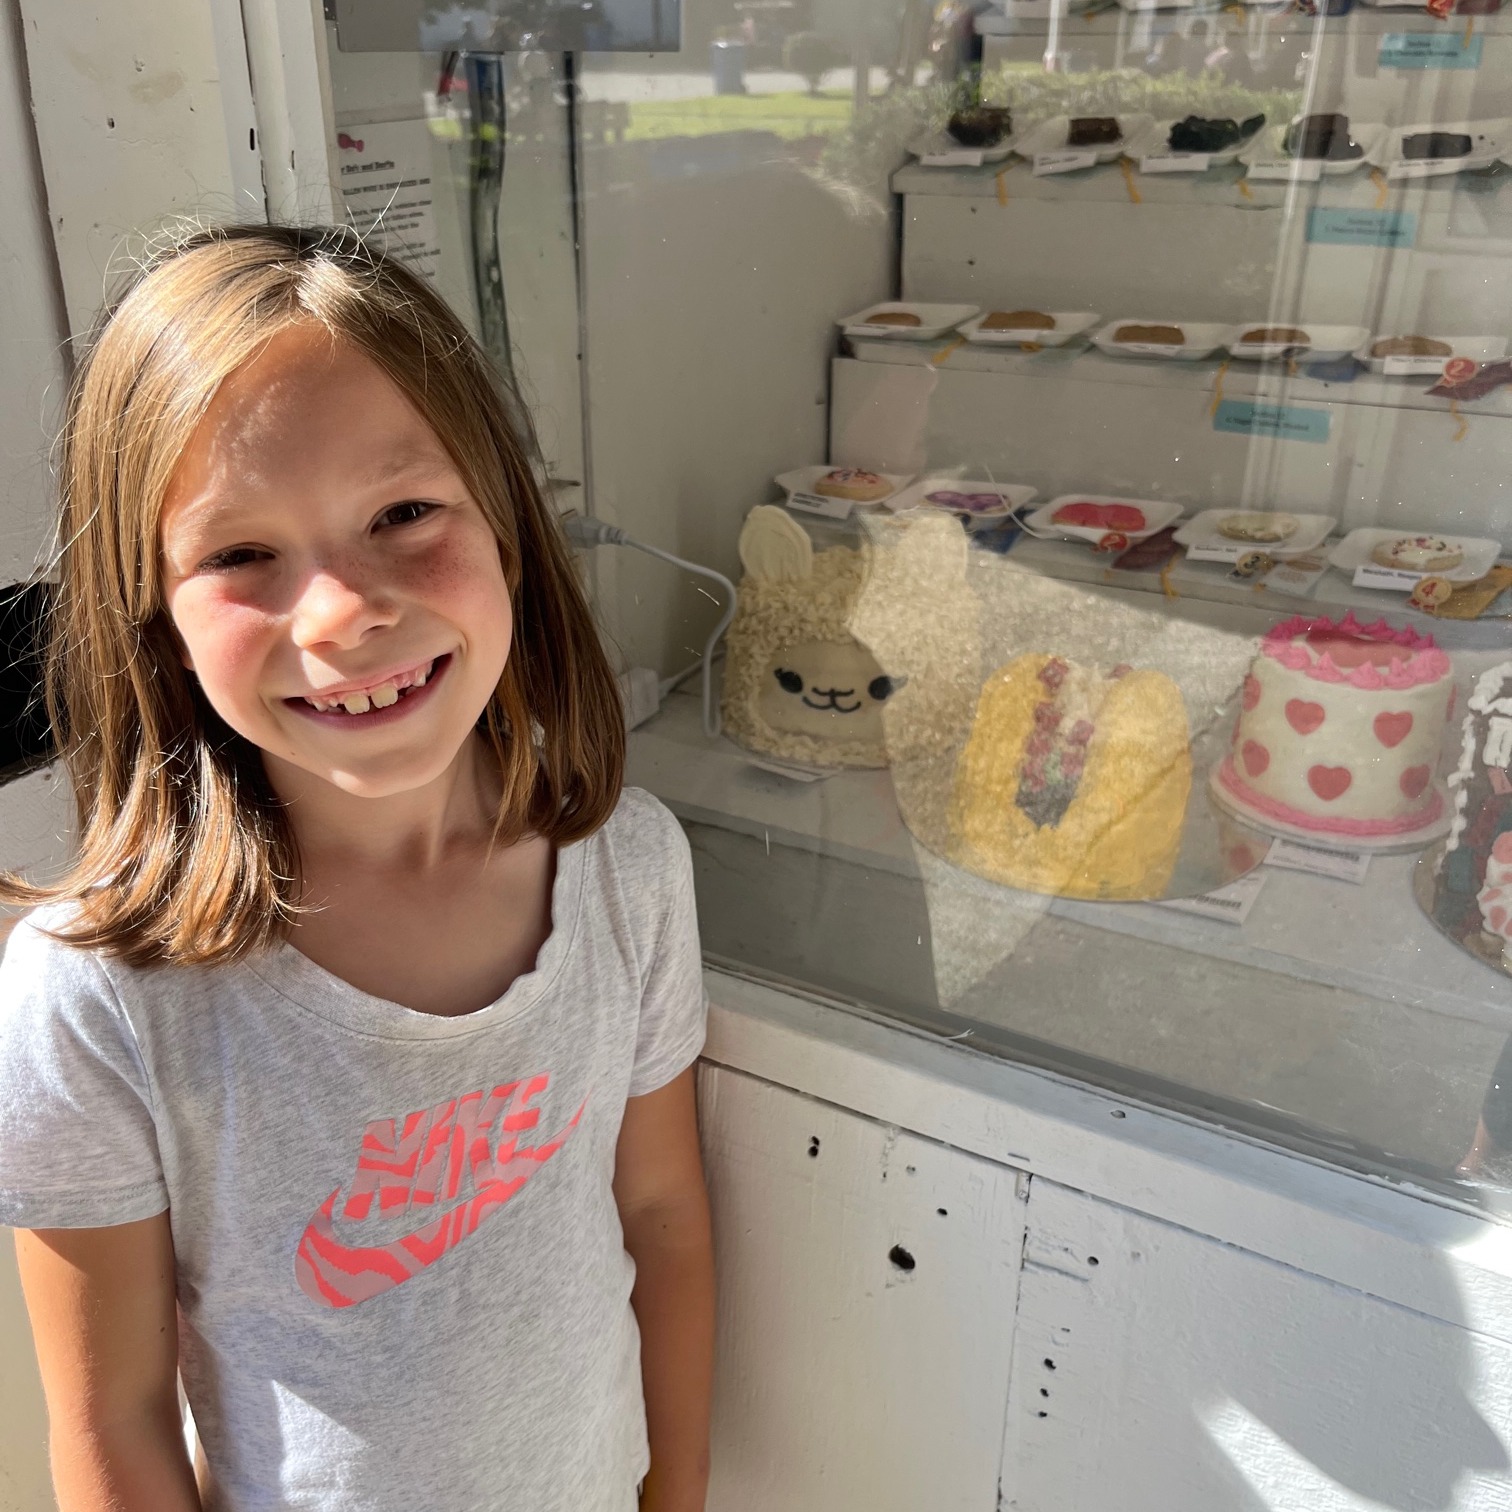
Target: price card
{"x":1298,"y":855}
{"x":957,"y":157}
{"x":1175,"y":162}
{"x":819,"y":504}
{"x":1230,"y":904}
{"x":1368,"y":575}
{"x":1411,"y":367}
{"x":1305,"y":170}
{"x":1421,"y":168}
{"x":1429,"y":50}
{"x":1226,"y":553}
{"x":1063,"y":162}
{"x":1361,"y":228}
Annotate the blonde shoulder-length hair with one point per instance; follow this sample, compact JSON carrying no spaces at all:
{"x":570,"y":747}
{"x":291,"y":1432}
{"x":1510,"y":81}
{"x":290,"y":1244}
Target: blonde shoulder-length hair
{"x":184,"y":853}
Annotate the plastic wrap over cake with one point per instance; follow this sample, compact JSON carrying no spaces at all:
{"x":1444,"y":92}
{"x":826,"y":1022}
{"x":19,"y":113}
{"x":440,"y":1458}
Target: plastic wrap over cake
{"x":1051,"y":733}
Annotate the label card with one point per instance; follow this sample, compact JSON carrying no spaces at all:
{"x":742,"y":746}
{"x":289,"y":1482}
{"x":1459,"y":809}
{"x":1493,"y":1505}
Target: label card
{"x":1430,"y":50}
{"x":1305,"y":170}
{"x":1361,"y":228}
{"x":1063,"y":162}
{"x":1231,"y":904}
{"x":1419,"y":168}
{"x":1229,"y":552}
{"x":1175,"y":162}
{"x":820,"y":504}
{"x":958,"y":157}
{"x":1412,"y":367}
{"x":1368,"y":575}
{"x":1286,"y":422}
{"x":1298,"y":855}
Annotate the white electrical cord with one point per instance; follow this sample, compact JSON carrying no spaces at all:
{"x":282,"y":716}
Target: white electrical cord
{"x":582,"y":531}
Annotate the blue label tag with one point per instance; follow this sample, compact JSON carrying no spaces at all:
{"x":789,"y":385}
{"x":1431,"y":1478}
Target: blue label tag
{"x":1430,"y":50}
{"x":1362,"y":228}
{"x":1287,"y":422}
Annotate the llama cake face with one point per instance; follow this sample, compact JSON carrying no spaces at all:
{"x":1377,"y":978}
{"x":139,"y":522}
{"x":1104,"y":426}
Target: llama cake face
{"x":831,"y":690}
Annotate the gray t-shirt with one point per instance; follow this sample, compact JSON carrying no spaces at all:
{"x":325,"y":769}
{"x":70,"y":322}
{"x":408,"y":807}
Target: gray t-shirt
{"x":402,"y":1282}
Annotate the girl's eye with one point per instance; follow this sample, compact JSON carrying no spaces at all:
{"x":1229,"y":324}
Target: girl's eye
{"x":406,"y":513}
{"x":233,"y":556}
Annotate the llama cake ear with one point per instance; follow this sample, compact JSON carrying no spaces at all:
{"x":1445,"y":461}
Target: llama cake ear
{"x":774,"y":547}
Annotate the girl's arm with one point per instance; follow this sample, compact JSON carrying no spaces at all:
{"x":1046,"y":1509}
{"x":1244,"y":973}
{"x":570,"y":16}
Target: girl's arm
{"x":103,"y":1317}
{"x":659,"y":1186}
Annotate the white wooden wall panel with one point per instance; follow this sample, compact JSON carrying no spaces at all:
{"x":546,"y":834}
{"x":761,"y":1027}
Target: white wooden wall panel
{"x":1156,"y":1370}
{"x":848,"y":1383}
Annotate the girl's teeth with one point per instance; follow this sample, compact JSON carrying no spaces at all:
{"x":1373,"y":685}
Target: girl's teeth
{"x":385,"y":696}
{"x":356,"y":703}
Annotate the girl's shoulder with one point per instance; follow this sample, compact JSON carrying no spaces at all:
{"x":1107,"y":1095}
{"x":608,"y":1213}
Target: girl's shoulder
{"x":643,"y":833}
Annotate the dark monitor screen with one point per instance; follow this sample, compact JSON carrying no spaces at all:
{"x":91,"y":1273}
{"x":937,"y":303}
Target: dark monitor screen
{"x":502,"y":26}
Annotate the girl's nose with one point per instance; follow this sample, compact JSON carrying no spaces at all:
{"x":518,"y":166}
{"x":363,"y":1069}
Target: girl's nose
{"x":340,"y":608}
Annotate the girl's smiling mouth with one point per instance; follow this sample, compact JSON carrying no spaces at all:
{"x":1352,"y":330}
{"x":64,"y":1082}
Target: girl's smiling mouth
{"x":377,"y":703}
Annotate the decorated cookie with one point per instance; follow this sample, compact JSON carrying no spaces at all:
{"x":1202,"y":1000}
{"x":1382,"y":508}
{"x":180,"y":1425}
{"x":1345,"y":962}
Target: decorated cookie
{"x":1421,"y":553}
{"x":1264,"y":529}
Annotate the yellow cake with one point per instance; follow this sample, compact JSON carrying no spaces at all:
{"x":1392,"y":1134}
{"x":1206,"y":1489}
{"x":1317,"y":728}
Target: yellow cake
{"x":1073,"y":781}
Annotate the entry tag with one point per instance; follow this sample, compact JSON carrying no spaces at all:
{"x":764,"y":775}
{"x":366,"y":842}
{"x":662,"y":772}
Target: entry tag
{"x":819,"y":504}
{"x":1175,"y":162}
{"x":1231,"y":904}
{"x":1368,"y":575}
{"x":1306,"y":170}
{"x":1429,"y":50}
{"x":1298,"y":855}
{"x":1228,"y":554}
{"x":1063,"y":162}
{"x":962,"y":157}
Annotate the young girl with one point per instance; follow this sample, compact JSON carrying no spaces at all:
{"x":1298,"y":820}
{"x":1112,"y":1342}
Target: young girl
{"x":348,"y":1074}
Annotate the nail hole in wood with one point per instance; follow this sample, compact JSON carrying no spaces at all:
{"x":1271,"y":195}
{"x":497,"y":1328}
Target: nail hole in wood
{"x":942,"y":1212}
{"x":901,"y":1258}
{"x":1119,"y":1113}
{"x":814,"y":1147}
{"x":1093,"y":1260}
{"x":1049,"y":1363}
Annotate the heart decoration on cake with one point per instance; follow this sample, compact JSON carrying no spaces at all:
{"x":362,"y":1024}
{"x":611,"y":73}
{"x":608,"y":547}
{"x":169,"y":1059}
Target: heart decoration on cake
{"x":1393,"y":728}
{"x":1303,"y":715}
{"x":1251,"y":691}
{"x":1256,"y":757}
{"x":1330,"y":782}
{"x":1415,"y":781}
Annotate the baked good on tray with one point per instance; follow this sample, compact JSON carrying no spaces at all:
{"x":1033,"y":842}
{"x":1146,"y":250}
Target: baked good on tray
{"x":1205,"y":134}
{"x":966,"y":503}
{"x":1151,"y":335}
{"x":1321,"y":136}
{"x":980,"y":125}
{"x":905,"y":318}
{"x":1472,"y":885}
{"x":1410,"y":346}
{"x":1074,"y":781}
{"x":1418,"y":554}
{"x":1261,"y":528}
{"x":1017,"y":320}
{"x":1087,"y":515}
{"x":1275,"y":336}
{"x":1339,"y":729}
{"x":1436,"y":144}
{"x":1093,"y":131}
{"x":853,"y":483}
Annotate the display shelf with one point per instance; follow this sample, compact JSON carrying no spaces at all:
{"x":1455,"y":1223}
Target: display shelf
{"x":1370,"y":938}
{"x":1272,"y":382}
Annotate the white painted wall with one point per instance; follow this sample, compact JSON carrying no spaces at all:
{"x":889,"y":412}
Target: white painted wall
{"x":32,"y":374}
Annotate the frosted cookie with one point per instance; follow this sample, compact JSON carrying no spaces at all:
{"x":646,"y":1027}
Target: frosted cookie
{"x":1266,"y":529}
{"x":902,"y":318}
{"x":1410,"y":346}
{"x":853,"y":483}
{"x":1418,"y":554}
{"x":1275,"y":336}
{"x":1151,"y":335}
{"x":1018,"y":320}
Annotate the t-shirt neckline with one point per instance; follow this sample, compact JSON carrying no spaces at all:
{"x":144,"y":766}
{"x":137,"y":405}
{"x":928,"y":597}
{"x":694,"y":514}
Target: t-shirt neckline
{"x":311,"y":987}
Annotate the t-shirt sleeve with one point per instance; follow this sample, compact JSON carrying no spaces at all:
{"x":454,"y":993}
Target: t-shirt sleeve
{"x":78,"y":1145}
{"x":673,"y":1005}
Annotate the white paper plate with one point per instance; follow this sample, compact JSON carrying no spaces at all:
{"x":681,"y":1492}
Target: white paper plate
{"x":1477,"y":348}
{"x":802,"y":480}
{"x":1354,"y":551}
{"x":1203,"y":338}
{"x":1324,"y":342}
{"x":1491,"y":140}
{"x":941,"y":150}
{"x":1202,"y":532}
{"x":1158,"y":514}
{"x":1050,"y":136}
{"x":1265,"y":157}
{"x":1068,"y":323}
{"x":1154,"y":142}
{"x":934,"y":320}
{"x":1013,"y":495}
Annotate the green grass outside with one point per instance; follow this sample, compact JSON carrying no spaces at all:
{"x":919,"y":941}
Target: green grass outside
{"x":791,"y":116}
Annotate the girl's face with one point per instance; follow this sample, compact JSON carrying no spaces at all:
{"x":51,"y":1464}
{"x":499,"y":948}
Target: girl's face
{"x":335,"y":588}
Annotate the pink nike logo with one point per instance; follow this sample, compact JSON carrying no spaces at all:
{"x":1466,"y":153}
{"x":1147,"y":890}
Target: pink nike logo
{"x":415,"y":1166}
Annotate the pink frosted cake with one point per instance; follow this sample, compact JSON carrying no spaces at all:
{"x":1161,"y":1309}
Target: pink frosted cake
{"x":1339,"y":730}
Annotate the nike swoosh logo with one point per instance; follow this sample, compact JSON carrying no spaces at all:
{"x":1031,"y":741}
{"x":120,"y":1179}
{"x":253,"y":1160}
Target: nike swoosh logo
{"x":336,"y":1274}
